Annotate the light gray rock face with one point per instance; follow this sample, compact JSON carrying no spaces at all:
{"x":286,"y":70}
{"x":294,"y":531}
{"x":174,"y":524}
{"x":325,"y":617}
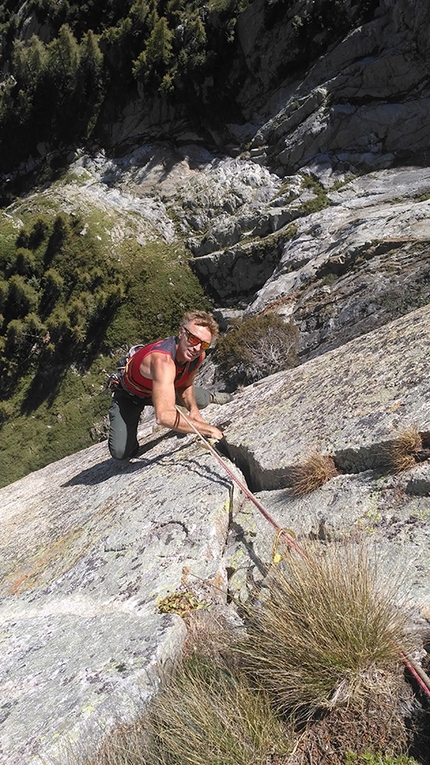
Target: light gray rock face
{"x":348,"y":403}
{"x":88,"y":549}
{"x":89,"y":546}
{"x":357,"y":264}
{"x":351,"y":404}
{"x":234,"y":273}
{"x":337,"y":272}
{"x":364,"y":101}
{"x":378,"y":511}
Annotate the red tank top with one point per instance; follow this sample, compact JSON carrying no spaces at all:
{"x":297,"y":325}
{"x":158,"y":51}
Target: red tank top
{"x":135,"y":383}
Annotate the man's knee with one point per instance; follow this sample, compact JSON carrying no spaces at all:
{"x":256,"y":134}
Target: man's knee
{"x":124,"y":417}
{"x":202,"y":396}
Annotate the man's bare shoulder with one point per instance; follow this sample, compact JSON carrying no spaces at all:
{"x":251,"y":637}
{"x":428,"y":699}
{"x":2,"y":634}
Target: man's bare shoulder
{"x":160,"y":358}
{"x":158,"y":365}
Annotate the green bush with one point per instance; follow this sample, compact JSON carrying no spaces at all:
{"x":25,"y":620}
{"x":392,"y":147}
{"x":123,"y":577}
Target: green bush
{"x":255,"y":347}
{"x":22,"y":298}
{"x":52,"y":286}
{"x":4,"y":291}
{"x":6,"y":411}
{"x":25,"y":263}
{"x":14,"y":336}
{"x":59,"y":328}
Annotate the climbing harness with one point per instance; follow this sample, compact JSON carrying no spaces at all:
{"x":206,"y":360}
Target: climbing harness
{"x":416,"y":671}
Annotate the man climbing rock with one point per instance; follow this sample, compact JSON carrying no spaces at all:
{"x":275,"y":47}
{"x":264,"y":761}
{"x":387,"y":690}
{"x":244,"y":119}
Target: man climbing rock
{"x":162,"y":374}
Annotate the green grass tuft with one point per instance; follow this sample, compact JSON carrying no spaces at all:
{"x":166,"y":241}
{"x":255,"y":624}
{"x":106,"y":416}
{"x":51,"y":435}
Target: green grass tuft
{"x":367,"y":758}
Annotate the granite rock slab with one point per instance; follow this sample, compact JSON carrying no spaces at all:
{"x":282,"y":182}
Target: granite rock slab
{"x":350,"y":403}
{"x":89,"y":548}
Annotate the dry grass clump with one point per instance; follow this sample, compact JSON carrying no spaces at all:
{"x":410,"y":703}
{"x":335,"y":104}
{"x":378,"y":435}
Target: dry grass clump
{"x":311,"y":675}
{"x":323,"y":633}
{"x":209,"y":715}
{"x":351,"y":660}
{"x":205,"y":714}
{"x":314,"y":472}
{"x":210,"y":635}
{"x":123,"y":746}
{"x":401,"y":453}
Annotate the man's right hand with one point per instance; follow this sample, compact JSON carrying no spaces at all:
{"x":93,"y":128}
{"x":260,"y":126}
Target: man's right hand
{"x":216,"y":433}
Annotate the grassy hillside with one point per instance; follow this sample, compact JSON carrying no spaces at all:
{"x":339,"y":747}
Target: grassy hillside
{"x":76,"y":289}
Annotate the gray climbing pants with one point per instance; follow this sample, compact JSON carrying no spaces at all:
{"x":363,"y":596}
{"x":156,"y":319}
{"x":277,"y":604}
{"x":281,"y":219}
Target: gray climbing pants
{"x":124,"y":416}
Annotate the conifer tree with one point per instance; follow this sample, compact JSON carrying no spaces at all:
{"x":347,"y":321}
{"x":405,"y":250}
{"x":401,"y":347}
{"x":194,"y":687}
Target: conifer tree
{"x":90,"y":85}
{"x":29,"y":63}
{"x":63,"y":59}
{"x":152,"y":62}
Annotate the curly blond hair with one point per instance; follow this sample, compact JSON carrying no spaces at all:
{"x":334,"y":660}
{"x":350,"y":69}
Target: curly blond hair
{"x":203,"y":319}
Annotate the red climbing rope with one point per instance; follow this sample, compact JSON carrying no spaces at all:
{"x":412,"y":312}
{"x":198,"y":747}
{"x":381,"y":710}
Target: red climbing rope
{"x":418,"y":673}
{"x":281,"y":532}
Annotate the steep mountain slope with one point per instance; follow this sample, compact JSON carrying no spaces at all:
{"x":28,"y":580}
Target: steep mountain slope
{"x":293,"y":179}
{"x":309,"y":199}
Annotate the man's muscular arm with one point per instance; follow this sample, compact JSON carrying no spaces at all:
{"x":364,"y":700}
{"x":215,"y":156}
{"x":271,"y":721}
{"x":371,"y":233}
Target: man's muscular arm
{"x":163,"y":373}
{"x":187,"y":396}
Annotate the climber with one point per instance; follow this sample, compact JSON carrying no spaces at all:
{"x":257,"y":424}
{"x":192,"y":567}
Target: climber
{"x":162,"y":374}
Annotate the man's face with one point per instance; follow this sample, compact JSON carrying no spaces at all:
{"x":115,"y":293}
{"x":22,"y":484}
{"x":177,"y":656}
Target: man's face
{"x":188,"y":348}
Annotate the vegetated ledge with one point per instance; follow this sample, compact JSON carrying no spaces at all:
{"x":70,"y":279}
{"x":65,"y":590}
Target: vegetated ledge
{"x":354,"y":460}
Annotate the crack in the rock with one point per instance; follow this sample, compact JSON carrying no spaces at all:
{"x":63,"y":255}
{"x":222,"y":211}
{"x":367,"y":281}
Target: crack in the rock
{"x":374,"y":457}
{"x":256,"y":478}
{"x":172,"y":522}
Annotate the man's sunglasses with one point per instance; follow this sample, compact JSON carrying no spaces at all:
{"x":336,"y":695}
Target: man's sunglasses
{"x":194,"y":340}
